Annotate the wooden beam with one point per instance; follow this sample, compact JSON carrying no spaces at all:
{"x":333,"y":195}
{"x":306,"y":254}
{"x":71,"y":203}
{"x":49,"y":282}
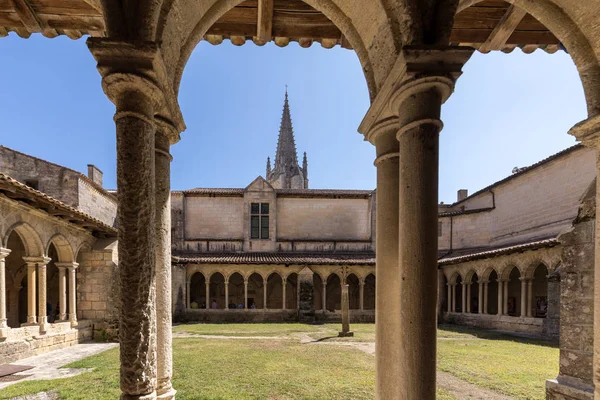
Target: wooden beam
{"x":505,"y":28}
{"x":264,"y":28}
{"x":27,"y":15}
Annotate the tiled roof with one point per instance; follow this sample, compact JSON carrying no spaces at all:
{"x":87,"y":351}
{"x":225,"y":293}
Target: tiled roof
{"x":18,"y":191}
{"x":464,"y":212}
{"x":277,"y":258}
{"x":477,"y":254}
{"x":283,"y":192}
{"x":524,"y":170}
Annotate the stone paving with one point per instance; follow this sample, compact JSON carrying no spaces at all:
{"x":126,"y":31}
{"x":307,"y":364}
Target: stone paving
{"x":47,"y":366}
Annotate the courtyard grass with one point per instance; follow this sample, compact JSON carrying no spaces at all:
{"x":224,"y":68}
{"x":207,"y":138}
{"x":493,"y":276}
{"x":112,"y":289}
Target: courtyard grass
{"x":286,"y":369}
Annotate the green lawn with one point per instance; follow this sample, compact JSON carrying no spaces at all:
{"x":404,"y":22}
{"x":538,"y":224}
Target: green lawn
{"x":286,"y":369}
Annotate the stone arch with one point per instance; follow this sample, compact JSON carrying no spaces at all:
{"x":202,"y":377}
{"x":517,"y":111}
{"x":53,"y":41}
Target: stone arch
{"x":327,"y":7}
{"x":455,"y":278}
{"x":30,"y":238}
{"x":63,"y":248}
{"x":530,"y":269}
{"x":507,"y":268}
{"x":353,"y":282}
{"x":216,"y":290}
{"x":235,"y":281}
{"x":469,"y":275}
{"x":291,"y":291}
{"x":575,"y":41}
{"x":83,"y":247}
{"x":485,"y":275}
{"x":197,"y":288}
{"x":370,"y":288}
{"x":274,"y":290}
{"x":256,"y":287}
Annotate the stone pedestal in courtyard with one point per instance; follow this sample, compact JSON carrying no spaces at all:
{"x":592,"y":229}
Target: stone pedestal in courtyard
{"x":306,"y":296}
{"x":345,"y":314}
{"x":575,"y":378}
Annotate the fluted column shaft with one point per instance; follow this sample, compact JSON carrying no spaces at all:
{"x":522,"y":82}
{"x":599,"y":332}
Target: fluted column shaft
{"x":3,"y":325}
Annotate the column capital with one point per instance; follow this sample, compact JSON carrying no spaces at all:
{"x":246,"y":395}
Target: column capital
{"x":4,"y":252}
{"x":413,"y":64}
{"x":126,"y":65}
{"x":41,"y":261}
{"x":588,"y":132}
{"x":67,"y":265}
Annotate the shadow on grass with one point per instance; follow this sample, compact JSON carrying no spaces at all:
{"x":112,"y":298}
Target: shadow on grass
{"x":498,"y":335}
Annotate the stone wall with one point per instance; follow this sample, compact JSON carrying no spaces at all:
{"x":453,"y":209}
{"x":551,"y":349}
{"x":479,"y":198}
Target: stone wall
{"x":529,"y":326}
{"x":99,"y":205}
{"x":214,"y":217}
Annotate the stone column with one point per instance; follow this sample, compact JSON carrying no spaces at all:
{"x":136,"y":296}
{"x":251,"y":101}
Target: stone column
{"x":42,"y":295}
{"x":283,"y":305}
{"x":31,"y":290}
{"x":463,"y":293}
{"x":454,"y":297}
{"x":468,"y":308}
{"x":245,"y":294}
{"x":208,"y":303}
{"x":324,"y":299}
{"x":417,"y":103}
{"x":485,"y":296}
{"x":62,"y":290}
{"x":523,"y":296}
{"x":449,"y":290}
{"x":345,"y":313}
{"x":500,"y":291}
{"x":480,"y":298}
{"x":362,"y":294}
{"x":137,"y":100}
{"x":529,"y":296}
{"x":505,"y":297}
{"x":3,"y":325}
{"x":265,"y":281}
{"x":73,"y":294}
{"x":227,"y":294}
{"x":188,"y":294}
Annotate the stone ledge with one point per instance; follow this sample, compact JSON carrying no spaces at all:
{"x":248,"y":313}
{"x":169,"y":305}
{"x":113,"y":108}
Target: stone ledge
{"x":564,"y":388}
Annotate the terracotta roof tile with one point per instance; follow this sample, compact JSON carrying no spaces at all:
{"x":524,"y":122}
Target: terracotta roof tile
{"x":477,"y":254}
{"x":277,"y":258}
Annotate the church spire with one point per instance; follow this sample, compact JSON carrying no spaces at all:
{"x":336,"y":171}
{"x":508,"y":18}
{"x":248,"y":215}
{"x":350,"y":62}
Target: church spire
{"x":286,"y":173}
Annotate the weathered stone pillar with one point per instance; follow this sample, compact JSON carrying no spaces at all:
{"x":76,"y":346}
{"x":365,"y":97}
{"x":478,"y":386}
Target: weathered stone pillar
{"x":306,"y":296}
{"x":324,"y":300}
{"x":480,"y":299}
{"x":62,"y":290}
{"x":134,"y":79}
{"x":73,"y":294}
{"x":208,"y":303}
{"x":523,"y":297}
{"x":454,"y":297}
{"x":188,"y":294}
{"x":485,"y":296}
{"x":42,"y":294}
{"x":284,"y":283}
{"x":164,"y":313}
{"x":463,"y":303}
{"x":449,"y":290}
{"x":505,"y":298}
{"x":468,"y":308}
{"x":227,"y":294}
{"x":500,"y":291}
{"x":265,"y":282}
{"x":345,"y":313}
{"x":362,"y":294}
{"x":3,"y":325}
{"x":246,"y":294}
{"x":529,"y":296}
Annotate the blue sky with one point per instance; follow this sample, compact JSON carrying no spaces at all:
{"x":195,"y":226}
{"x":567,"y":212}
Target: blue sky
{"x":508,"y":110}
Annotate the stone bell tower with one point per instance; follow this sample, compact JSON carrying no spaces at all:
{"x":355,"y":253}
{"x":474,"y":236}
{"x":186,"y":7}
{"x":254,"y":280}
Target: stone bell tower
{"x":287,"y":173}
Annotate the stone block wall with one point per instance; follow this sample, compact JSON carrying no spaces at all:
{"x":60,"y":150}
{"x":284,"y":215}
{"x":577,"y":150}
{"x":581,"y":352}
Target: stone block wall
{"x":98,"y":204}
{"x":529,"y":326}
{"x":97,"y":288}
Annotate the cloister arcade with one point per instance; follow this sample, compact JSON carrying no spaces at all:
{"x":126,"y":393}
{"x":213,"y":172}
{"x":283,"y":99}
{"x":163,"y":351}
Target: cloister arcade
{"x":248,"y":288}
{"x":408,"y":54}
{"x":514,"y":286}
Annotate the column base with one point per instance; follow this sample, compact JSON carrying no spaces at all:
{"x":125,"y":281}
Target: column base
{"x":566,"y":388}
{"x":168,"y":395}
{"x":25,"y":324}
{"x":4,"y":332}
{"x":150,"y":396}
{"x":74,"y":324}
{"x":44,"y":326}
{"x":346,"y":334}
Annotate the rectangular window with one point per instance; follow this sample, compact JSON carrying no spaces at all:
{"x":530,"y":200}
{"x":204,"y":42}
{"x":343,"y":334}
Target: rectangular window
{"x":439,"y":228}
{"x":259,"y":220}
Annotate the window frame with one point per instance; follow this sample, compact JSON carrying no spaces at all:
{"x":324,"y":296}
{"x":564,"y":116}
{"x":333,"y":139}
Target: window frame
{"x":260,"y":221}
